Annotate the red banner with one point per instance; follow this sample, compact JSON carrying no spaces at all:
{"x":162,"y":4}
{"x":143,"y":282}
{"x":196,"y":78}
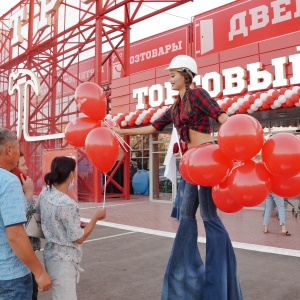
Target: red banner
{"x":153,"y":52}
{"x":244,"y":22}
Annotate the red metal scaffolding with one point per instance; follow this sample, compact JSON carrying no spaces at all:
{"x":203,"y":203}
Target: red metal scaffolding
{"x":77,"y":32}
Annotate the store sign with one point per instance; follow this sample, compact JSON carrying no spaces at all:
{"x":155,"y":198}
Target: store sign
{"x":235,"y":81}
{"x":152,"y":52}
{"x":244,"y":22}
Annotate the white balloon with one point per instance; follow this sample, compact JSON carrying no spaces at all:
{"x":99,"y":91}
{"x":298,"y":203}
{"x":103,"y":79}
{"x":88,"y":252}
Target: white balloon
{"x":288,"y":93}
{"x":249,"y":111}
{"x":230,"y":111}
{"x":138,"y":121}
{"x":235,"y":106}
{"x":263,"y":96}
{"x":253,"y":107}
{"x":258,"y":102}
{"x":159,"y":111}
{"x":281,"y":99}
{"x":277,"y":103}
{"x":295,"y":89}
{"x":123,"y":123}
{"x":240,"y":101}
{"x":246,"y":97}
{"x":127,"y":118}
{"x":270,"y":92}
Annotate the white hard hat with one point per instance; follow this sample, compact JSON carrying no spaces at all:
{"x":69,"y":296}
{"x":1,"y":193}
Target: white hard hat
{"x":183,"y":62}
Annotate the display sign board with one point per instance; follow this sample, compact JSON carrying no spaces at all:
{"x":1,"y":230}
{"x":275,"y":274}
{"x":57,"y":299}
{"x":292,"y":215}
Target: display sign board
{"x":244,"y":22}
{"x":153,"y":52}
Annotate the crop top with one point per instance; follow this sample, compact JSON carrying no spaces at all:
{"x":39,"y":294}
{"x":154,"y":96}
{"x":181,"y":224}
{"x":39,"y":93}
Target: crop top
{"x":204,"y":107}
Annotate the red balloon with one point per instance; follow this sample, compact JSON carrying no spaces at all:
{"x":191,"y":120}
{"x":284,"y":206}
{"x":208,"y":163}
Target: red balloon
{"x":224,"y":106}
{"x":249,"y":183}
{"x":275,"y":95}
{"x":295,"y":98}
{"x":270,"y":100}
{"x":183,"y":166}
{"x":286,"y":186}
{"x":281,"y":154}
{"x":77,"y":130}
{"x":208,"y":165}
{"x":91,"y":100}
{"x":241,"y":137}
{"x":223,"y":199}
{"x":102,"y":148}
{"x":246,"y":105}
{"x":251,"y":99}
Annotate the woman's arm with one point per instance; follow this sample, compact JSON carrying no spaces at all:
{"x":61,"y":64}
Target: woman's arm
{"x":134,"y":131}
{"x":222,"y":118}
{"x":100,"y":214}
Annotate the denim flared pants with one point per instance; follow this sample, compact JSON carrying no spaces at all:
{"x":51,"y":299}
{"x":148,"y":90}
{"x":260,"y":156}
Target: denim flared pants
{"x":186,"y":277}
{"x":176,"y":213}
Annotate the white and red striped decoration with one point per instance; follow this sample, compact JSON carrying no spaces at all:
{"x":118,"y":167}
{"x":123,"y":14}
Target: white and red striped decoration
{"x":249,"y":103}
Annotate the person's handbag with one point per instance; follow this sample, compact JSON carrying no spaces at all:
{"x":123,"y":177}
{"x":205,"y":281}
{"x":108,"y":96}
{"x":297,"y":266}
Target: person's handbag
{"x":33,"y":227}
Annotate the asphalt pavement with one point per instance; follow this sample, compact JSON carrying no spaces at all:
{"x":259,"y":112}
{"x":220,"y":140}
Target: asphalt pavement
{"x":126,"y":255}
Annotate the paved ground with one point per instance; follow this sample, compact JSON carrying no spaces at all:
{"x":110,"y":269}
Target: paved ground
{"x":126,"y":255}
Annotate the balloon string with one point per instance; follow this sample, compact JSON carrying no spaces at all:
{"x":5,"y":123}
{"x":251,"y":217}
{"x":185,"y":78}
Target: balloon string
{"x":104,"y":192}
{"x":121,"y":140}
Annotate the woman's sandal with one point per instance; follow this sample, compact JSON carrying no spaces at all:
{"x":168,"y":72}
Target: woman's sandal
{"x":286,"y":233}
{"x":266,"y":230}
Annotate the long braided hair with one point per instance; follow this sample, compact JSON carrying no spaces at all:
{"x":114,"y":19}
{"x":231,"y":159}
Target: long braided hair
{"x":188,"y":79}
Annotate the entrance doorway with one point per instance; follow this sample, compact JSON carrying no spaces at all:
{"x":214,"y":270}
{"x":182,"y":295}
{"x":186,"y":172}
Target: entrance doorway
{"x":161,"y":187}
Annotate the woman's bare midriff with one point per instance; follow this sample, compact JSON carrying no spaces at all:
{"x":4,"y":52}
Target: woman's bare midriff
{"x":198,"y":138}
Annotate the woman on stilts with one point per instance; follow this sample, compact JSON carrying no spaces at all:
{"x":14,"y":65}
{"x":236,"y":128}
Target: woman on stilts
{"x":186,"y":277}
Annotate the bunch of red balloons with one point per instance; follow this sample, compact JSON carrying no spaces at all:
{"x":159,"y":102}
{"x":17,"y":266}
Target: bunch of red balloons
{"x":101,"y":144}
{"x":238,"y":179}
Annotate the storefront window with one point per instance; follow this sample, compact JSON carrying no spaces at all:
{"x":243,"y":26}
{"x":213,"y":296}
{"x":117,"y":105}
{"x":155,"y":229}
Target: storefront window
{"x":162,"y":187}
{"x":140,"y":151}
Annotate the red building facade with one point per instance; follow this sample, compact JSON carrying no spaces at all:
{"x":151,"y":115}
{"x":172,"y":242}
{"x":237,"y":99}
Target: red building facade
{"x":247,"y":53}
